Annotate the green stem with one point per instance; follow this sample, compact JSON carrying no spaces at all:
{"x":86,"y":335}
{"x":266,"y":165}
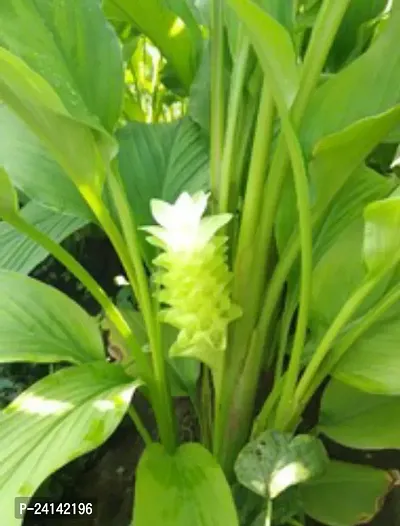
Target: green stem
{"x":261,"y":423}
{"x":268,"y":514}
{"x":69,"y":262}
{"x":234,"y":104}
{"x":323,"y":35}
{"x":217,"y":94}
{"x":336,"y":326}
{"x":163,"y":407}
{"x":155,"y":386}
{"x":287,"y":317}
{"x":141,"y":429}
{"x":324,"y":32}
{"x":305,"y":226}
{"x":367,"y":321}
{"x":256,"y":178}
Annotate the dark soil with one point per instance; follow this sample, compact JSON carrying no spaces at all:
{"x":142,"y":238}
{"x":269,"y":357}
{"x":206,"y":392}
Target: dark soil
{"x":107,"y":474}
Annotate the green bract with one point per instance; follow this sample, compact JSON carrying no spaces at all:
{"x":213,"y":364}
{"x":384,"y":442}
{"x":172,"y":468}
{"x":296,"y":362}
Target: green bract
{"x":193,"y":275}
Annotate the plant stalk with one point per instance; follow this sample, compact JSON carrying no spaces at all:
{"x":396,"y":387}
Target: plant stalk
{"x":165,"y":412}
{"x":217,"y":131}
{"x":235,"y":101}
{"x":157,"y":387}
{"x":343,"y":317}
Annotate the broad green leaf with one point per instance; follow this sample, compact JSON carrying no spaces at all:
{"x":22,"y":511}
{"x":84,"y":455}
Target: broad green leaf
{"x":355,"y":30}
{"x":346,"y":495}
{"x":73,"y":47}
{"x":33,"y":170}
{"x":40,"y":324}
{"x":337,"y":156}
{"x":337,"y":246}
{"x":372,"y":363}
{"x":282,"y":12}
{"x":8,"y":196}
{"x":369,"y":86}
{"x":22,"y":254}
{"x":199,"y":106}
{"x":70,"y":142}
{"x":274,"y":462}
{"x":58,"y":419}
{"x":161,"y":161}
{"x":335,"y":161}
{"x":337,"y":274}
{"x":362,"y":187}
{"x":381,"y":239}
{"x":273,"y":45}
{"x":360,"y":420}
{"x":182,"y":488}
{"x":165,"y":29}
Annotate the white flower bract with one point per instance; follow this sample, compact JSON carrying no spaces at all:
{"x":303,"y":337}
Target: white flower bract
{"x":182,"y":227}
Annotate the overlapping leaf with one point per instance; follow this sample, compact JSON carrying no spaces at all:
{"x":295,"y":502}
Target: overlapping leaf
{"x":22,"y":254}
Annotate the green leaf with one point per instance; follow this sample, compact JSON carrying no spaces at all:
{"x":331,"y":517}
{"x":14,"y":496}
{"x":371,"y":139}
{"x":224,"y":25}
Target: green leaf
{"x":355,"y":30}
{"x":186,"y":487}
{"x":73,"y":144}
{"x":372,"y":363}
{"x":282,"y":12}
{"x":346,"y":495}
{"x":334,"y":164}
{"x":360,"y":420}
{"x":20,"y":253}
{"x":362,"y":187}
{"x":40,"y":324}
{"x":369,"y":86}
{"x":58,"y":419}
{"x":274,"y":462}
{"x":165,"y":29}
{"x":337,"y":156}
{"x":8,"y":196}
{"x":161,"y":161}
{"x":337,"y":246}
{"x":381,"y":240}
{"x":274,"y":47}
{"x":73,"y":47}
{"x":32,"y":169}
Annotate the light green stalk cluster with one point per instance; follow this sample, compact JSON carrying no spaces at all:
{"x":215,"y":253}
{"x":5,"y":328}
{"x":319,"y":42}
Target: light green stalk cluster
{"x":193,"y":278}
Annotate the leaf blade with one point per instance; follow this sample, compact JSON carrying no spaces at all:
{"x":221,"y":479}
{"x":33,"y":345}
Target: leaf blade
{"x":56,"y":420}
{"x":40,"y":324}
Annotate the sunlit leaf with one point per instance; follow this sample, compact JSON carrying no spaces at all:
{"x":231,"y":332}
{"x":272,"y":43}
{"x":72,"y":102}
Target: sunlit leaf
{"x":8,"y":196}
{"x":73,"y":144}
{"x":73,"y":47}
{"x":165,"y":29}
{"x":58,"y":419}
{"x":185,"y":487}
{"x":33,"y":170}
{"x":274,"y":462}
